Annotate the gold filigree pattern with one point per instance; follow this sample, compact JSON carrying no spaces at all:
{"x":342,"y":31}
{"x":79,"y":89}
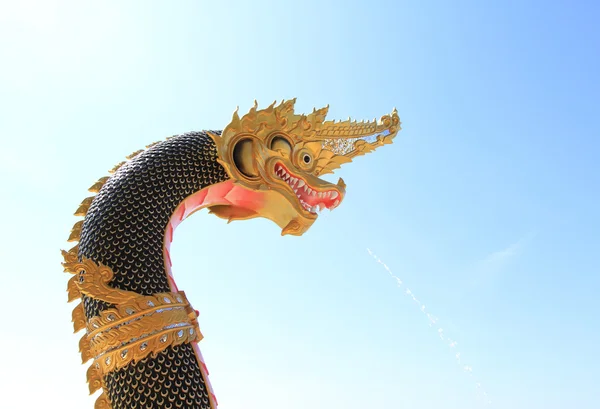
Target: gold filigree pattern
{"x":137,"y":326}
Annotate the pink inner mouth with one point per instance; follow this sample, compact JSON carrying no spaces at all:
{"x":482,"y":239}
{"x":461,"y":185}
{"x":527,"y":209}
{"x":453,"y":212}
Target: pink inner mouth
{"x":311,"y":198}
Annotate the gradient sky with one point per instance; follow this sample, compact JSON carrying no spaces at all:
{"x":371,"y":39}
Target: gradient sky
{"x":486,"y":205}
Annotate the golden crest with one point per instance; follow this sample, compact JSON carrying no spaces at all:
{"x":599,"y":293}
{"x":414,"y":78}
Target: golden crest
{"x":338,"y":142}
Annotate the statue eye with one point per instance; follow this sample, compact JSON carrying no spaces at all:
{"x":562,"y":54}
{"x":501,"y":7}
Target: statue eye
{"x":279,"y":143}
{"x":306,"y":158}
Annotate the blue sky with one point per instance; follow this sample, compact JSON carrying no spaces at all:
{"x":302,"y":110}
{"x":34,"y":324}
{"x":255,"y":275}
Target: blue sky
{"x":485,"y":206}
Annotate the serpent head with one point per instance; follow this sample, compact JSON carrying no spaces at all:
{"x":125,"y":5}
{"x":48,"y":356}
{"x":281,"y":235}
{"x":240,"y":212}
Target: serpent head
{"x":282,"y":155}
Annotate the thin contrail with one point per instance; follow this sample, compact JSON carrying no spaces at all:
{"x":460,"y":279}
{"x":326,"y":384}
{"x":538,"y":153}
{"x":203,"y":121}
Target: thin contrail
{"x":433,"y":320}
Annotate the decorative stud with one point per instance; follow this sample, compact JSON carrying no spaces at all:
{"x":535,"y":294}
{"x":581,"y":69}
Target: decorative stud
{"x":123,"y":353}
{"x":163,"y":339}
{"x":144,"y":346}
{"x":180,"y":333}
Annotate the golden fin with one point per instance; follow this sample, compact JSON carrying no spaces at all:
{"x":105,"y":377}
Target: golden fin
{"x":78,"y":318}
{"x":94,"y":379}
{"x":76,"y":231}
{"x":134,"y":154}
{"x":74,"y":250}
{"x":153,"y":144}
{"x":72,"y":289}
{"x":95,"y":188}
{"x":70,"y":260}
{"x":102,"y":402}
{"x":116,"y":167}
{"x":84,"y":206}
{"x":84,"y":348}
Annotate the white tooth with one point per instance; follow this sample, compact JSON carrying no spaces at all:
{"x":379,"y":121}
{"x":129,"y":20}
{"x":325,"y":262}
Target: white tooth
{"x":321,"y":206}
{"x":320,"y":194}
{"x":309,"y":191}
{"x":314,"y":193}
{"x":296,"y":191}
{"x":301,"y":183}
{"x":337,"y":202}
{"x":294,"y":180}
{"x":305,"y":188}
{"x":334,"y":194}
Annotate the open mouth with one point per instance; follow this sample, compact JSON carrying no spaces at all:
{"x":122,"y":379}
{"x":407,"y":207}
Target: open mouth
{"x":312,"y":199}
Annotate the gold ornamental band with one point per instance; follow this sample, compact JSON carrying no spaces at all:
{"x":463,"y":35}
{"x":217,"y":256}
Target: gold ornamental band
{"x":135,"y":326}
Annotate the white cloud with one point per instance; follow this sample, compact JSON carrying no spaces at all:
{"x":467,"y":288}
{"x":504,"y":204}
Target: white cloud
{"x":499,"y":258}
{"x":494,"y":263}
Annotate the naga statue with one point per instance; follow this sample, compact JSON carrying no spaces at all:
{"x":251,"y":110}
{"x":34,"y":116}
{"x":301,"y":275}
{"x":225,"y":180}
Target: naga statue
{"x":141,"y":333}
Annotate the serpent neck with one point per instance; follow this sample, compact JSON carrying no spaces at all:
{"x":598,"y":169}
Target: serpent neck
{"x":124,"y":229}
{"x":125,"y":225}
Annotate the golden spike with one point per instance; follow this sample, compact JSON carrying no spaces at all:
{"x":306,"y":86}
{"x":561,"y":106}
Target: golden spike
{"x":134,"y":154}
{"x":72,"y":289}
{"x":153,"y":144}
{"x":70,"y":259}
{"x":74,"y":251}
{"x":102,"y":402}
{"x":235,"y":119}
{"x":116,"y":167}
{"x":84,"y":206}
{"x":76,"y":231}
{"x":78,"y":318}
{"x":84,"y":348}
{"x":94,"y":379}
{"x":95,"y":188}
